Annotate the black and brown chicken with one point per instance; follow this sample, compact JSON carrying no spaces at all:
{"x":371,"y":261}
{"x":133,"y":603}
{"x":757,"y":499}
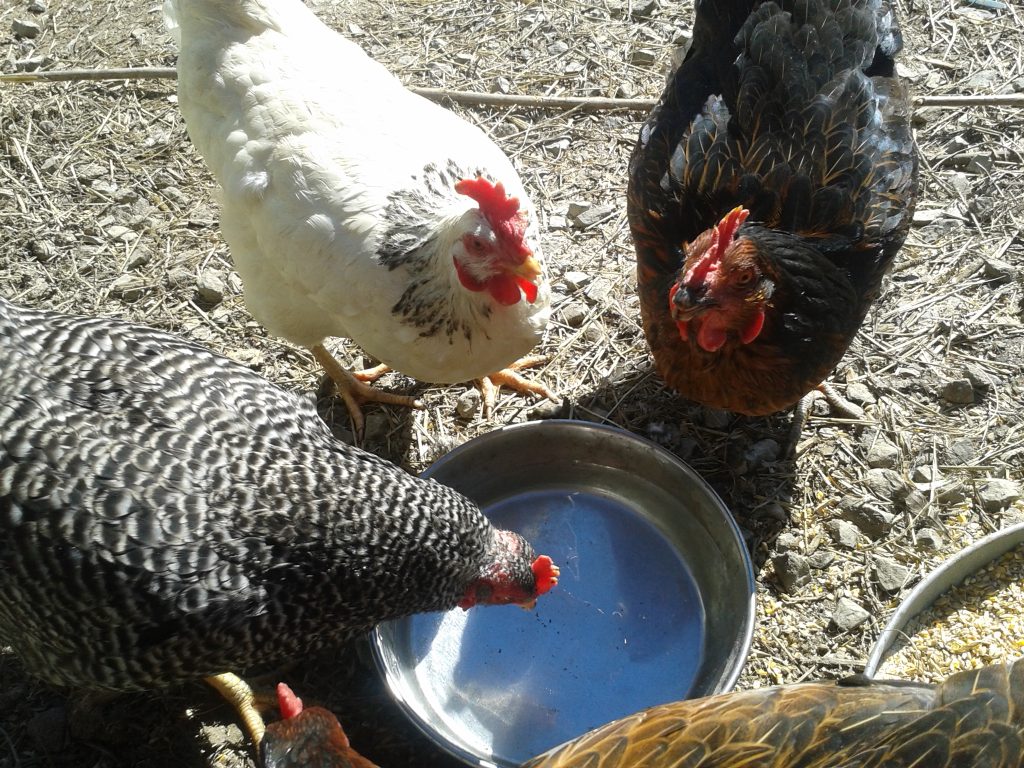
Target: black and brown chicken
{"x":168,"y":515}
{"x":973,"y":718}
{"x":769,"y":192}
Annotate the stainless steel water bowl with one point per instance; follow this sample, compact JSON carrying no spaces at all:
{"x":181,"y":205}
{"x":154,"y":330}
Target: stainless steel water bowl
{"x":655,"y":601}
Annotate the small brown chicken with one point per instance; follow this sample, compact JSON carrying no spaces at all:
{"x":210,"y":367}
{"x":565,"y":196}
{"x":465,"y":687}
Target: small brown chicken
{"x":306,"y":738}
{"x":972,"y":719}
{"x":769,"y":192}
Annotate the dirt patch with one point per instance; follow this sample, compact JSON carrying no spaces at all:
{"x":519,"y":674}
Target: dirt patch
{"x":105,"y":208}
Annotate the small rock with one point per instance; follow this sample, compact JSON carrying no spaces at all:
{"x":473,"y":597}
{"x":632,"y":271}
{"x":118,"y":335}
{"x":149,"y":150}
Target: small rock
{"x":121,"y":234}
{"x":883,"y":454}
{"x":926,"y":473}
{"x":821,"y":559}
{"x":25,"y":28}
{"x":468,"y":403}
{"x":546,"y":409}
{"x":128,"y":288}
{"x":962,"y":452}
{"x":929,"y":538}
{"x":557,"y":221}
{"x":624,"y":91}
{"x":642,"y":57}
{"x":37,"y":7}
{"x":42,"y":250}
{"x":90,"y":171}
{"x":914,"y":501}
{"x":574,"y":314}
{"x":787,"y":541}
{"x":715,"y":418}
{"x":859,"y":393}
{"x":644,"y":9}
{"x":997,"y":269}
{"x":791,"y":570}
{"x":998,"y":493}
{"x":761,"y":452}
{"x":575,"y":280}
{"x":210,"y":287}
{"x":980,"y":379}
{"x":886,"y":483}
{"x":843,"y":533}
{"x":376,"y":428}
{"x":890,"y":575}
{"x":138,"y":257}
{"x":958,"y":391}
{"x":848,"y":615}
{"x":592,"y":216}
{"x":177,"y":277}
{"x":598,"y":290}
{"x":872,"y":521}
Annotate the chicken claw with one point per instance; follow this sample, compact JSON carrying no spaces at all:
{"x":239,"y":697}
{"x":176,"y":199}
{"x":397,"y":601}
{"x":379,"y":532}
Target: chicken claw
{"x":240,"y":696}
{"x":354,"y":392}
{"x":509,"y":377}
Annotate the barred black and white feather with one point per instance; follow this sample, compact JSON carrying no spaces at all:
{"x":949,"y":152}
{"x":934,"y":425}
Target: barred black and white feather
{"x":167,"y":514}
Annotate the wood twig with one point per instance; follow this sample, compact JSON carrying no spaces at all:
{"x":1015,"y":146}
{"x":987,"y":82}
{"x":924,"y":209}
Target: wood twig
{"x":476,"y":98}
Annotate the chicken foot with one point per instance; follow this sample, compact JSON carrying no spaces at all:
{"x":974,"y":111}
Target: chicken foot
{"x":803,"y":411}
{"x":510,"y":377}
{"x":354,"y":392}
{"x":240,"y":696}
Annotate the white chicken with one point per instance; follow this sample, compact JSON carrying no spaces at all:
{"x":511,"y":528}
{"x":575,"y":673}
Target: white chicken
{"x":354,"y":207}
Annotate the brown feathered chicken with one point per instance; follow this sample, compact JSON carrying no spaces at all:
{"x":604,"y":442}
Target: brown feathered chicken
{"x":356,"y":208}
{"x":972,"y":719}
{"x":306,"y":737}
{"x":168,"y":515}
{"x":769,"y":192}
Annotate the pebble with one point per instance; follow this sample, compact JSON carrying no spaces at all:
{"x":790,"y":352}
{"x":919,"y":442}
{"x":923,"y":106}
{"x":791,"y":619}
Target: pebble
{"x":643,"y":57}
{"x":843,"y":533}
{"x":546,"y":409}
{"x":42,"y":250}
{"x":468,"y":403}
{"x":590,"y":217}
{"x":859,"y":393}
{"x":997,"y":269}
{"x":791,"y":570}
{"x":761,"y":452}
{"x":980,"y":379}
{"x":37,"y":6}
{"x":575,"y":280}
{"x":848,"y":615}
{"x":574,"y":314}
{"x":958,"y":392}
{"x":643,"y":10}
{"x":788,"y":541}
{"x":598,"y":290}
{"x":886,"y":483}
{"x":821,"y":560}
{"x":890,"y":575}
{"x":25,"y":28}
{"x":872,"y":521}
{"x":376,"y":428}
{"x":929,"y":538}
{"x":128,"y":287}
{"x":998,"y":493}
{"x":882,"y":453}
{"x":715,"y":418}
{"x":121,"y":234}
{"x":926,"y":473}
{"x":210,"y":286}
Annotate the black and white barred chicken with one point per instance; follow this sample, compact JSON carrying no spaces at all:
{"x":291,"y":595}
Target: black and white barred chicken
{"x":354,"y":207}
{"x":167,"y":514}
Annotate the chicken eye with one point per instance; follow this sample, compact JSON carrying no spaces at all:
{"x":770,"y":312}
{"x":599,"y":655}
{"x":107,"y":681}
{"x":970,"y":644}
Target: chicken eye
{"x":746,"y":277}
{"x":477,"y":246}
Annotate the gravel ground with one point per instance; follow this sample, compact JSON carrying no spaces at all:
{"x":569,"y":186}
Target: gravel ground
{"x":106,"y":208}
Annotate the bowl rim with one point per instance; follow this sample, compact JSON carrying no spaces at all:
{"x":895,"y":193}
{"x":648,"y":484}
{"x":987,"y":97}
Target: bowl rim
{"x":742,"y":643}
{"x":940,"y":580}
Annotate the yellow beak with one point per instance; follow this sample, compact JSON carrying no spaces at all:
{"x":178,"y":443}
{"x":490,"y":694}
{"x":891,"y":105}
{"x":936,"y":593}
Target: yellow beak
{"x":528,"y":270}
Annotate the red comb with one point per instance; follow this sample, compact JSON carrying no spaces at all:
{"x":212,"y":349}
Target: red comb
{"x":719,"y":236}
{"x":289,"y":704}
{"x":727,"y":227}
{"x":545,"y":573}
{"x":495,"y":204}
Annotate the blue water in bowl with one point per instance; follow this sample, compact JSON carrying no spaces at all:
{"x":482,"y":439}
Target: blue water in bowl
{"x":622,"y":631}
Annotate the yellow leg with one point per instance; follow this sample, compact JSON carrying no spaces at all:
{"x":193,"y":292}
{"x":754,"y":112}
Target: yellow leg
{"x":510,"y":377}
{"x":237,"y":691}
{"x":354,"y":392}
